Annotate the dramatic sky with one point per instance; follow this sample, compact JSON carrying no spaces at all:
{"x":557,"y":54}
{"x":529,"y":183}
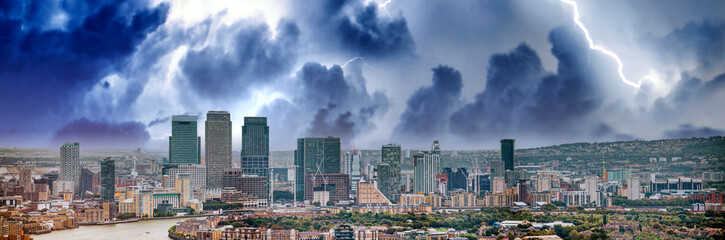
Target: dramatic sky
{"x":110,"y":74}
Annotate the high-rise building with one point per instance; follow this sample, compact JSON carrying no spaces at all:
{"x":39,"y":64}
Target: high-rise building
{"x":255,"y":140}
{"x":196,"y":171}
{"x":184,"y":187}
{"x":144,"y":203}
{"x":427,"y":165}
{"x":457,"y":178}
{"x":389,"y":171}
{"x":337,"y":185}
{"x":70,"y":165}
{"x":498,"y":185}
{"x":507,"y":153}
{"x":108,"y":178}
{"x":315,"y":156}
{"x":352,"y":167}
{"x":249,"y":184}
{"x":184,"y":143}
{"x":633,"y":188}
{"x":218,"y":147}
{"x":86,"y":182}
{"x":26,"y":179}
{"x":255,"y":149}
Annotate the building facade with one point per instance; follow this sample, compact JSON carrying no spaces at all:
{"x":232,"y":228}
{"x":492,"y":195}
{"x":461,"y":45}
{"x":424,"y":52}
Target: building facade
{"x":353,"y":166}
{"x":184,"y":143}
{"x":369,"y":195}
{"x":70,"y":165}
{"x":389,"y":171}
{"x":427,"y":165}
{"x":315,"y":156}
{"x":507,"y":153}
{"x":218,"y":147}
{"x":184,"y":188}
{"x":196,"y":171}
{"x":338,"y":186}
{"x":108,"y":179}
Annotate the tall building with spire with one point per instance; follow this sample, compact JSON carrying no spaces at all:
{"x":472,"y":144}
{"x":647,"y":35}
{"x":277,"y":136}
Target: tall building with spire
{"x":218,"y":147}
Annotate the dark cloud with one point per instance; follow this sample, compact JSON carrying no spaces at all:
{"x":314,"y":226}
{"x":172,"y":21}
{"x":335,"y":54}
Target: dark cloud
{"x":427,"y":111}
{"x":701,"y":43}
{"x":50,"y":64}
{"x":158,"y":121}
{"x":103,"y":134}
{"x":356,"y":27}
{"x":255,"y":56}
{"x":521,"y":98}
{"x":326,"y":103}
{"x":689,"y":131}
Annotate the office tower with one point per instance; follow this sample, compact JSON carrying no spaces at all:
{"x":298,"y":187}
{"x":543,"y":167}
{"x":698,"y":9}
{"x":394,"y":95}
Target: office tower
{"x":86,"y":182}
{"x":196,"y":171}
{"x":255,"y":140}
{"x":315,"y":156}
{"x":183,"y":186}
{"x":481,"y":183}
{"x":336,"y":185}
{"x":249,"y":184}
{"x":523,"y":190}
{"x":457,"y":178}
{"x":218,"y":147}
{"x":507,"y":153}
{"x":184,"y":144}
{"x":70,"y":165}
{"x":389,"y":171}
{"x":108,"y":179}
{"x":26,"y":180}
{"x":352,"y":167}
{"x":427,"y":165}
{"x":633,"y":188}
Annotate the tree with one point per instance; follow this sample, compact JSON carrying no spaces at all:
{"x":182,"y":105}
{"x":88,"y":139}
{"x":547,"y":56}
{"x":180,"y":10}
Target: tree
{"x":604,"y":219}
{"x":548,"y":207}
{"x":317,"y":204}
{"x":330,"y":203}
{"x":598,"y":234}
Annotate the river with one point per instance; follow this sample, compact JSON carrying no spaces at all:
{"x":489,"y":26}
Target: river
{"x":157,"y":229}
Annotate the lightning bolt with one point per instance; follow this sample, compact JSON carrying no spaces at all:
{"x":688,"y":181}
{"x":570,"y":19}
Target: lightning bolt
{"x":597,"y":47}
{"x":355,"y":59}
{"x":384,"y":6}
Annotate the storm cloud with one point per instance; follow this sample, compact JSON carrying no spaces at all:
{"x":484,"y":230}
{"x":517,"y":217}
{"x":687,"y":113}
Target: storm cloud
{"x":427,"y":111}
{"x":255,"y":57}
{"x":49,"y":62}
{"x":100,"y":134}
{"x":327,"y":102}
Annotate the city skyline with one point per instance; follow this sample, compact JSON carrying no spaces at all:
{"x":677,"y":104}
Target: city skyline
{"x":111,"y":74}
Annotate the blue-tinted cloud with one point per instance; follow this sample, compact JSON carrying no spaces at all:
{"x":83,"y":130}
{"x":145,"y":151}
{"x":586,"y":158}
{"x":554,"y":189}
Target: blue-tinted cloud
{"x":103,"y":134}
{"x":47,"y":63}
{"x":255,"y":57}
{"x":688,"y":131}
{"x":427,"y":110}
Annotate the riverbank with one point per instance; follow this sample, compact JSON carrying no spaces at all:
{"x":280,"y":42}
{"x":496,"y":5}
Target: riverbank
{"x":157,"y":229}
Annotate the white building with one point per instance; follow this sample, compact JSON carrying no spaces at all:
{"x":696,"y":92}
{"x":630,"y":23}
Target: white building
{"x":427,"y":165}
{"x":633,"y":188}
{"x":70,"y":164}
{"x":196,"y":171}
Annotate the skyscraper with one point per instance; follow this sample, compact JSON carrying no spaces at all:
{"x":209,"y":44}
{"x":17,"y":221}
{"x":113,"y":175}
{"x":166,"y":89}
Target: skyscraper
{"x":352,"y":166}
{"x":85,"y":182}
{"x":218,"y":147}
{"x":255,"y":148}
{"x":457,"y":178}
{"x":108,"y":179}
{"x":427,"y":165}
{"x":389,"y":171}
{"x":70,"y":165}
{"x":507,"y":153}
{"x":184,"y":143}
{"x":315,"y":156}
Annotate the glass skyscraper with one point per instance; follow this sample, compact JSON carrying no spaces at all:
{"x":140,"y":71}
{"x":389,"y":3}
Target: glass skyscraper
{"x":315,"y":156}
{"x":507,"y":153}
{"x":184,"y":143}
{"x":255,"y":147}
{"x":389,"y":171}
{"x":427,"y":165}
{"x":108,"y":179}
{"x":218,"y":147}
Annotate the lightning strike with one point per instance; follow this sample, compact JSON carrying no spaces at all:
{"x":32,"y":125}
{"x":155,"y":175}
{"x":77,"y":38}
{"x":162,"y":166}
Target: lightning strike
{"x":597,"y":47}
{"x":355,"y":59}
{"x":384,"y":6}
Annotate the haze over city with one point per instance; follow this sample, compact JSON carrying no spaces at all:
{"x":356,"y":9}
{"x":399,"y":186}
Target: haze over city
{"x":110,"y":74}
